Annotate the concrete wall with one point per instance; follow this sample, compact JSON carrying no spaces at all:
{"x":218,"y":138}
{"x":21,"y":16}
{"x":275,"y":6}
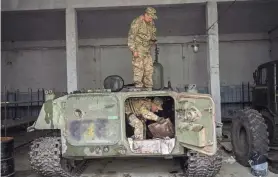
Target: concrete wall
{"x":274,"y":44}
{"x":43,"y":64}
{"x":24,"y":69}
{"x":274,"y":49}
{"x":9,"y":5}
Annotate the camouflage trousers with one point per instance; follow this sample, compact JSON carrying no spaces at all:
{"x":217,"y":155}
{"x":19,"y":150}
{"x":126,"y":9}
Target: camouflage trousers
{"x":139,"y":127}
{"x":143,"y":71}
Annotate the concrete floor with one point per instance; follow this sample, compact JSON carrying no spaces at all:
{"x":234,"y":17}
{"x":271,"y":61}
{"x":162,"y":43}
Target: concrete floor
{"x":140,"y":167}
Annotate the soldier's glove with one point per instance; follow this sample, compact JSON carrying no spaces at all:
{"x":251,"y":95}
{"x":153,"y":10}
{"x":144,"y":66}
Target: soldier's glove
{"x":160,"y":120}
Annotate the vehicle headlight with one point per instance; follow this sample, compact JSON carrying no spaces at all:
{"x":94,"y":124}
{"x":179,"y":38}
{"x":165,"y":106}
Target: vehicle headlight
{"x":105,"y":149}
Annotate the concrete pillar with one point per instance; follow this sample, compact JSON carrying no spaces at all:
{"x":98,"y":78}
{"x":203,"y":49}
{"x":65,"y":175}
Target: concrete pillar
{"x":213,"y":61}
{"x":72,"y":49}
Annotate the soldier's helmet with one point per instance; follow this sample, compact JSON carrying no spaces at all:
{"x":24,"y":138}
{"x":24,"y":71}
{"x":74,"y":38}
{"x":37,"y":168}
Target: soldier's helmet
{"x":151,"y":12}
{"x":158,"y":102}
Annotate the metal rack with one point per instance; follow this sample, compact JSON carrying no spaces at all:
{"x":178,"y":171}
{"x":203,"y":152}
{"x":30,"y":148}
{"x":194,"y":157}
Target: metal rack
{"x":19,"y":108}
{"x":234,"y":98}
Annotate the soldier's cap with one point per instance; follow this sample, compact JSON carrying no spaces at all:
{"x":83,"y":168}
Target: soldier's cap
{"x":151,"y":12}
{"x":158,"y":102}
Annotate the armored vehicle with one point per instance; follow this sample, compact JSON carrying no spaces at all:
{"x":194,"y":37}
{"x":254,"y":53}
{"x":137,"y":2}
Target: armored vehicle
{"x":92,"y":124}
{"x":255,"y":129}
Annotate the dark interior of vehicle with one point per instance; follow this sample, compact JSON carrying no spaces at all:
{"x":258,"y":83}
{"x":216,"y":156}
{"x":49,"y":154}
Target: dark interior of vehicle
{"x":167,"y":112}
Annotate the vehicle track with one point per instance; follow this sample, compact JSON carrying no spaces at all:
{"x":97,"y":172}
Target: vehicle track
{"x":29,"y":141}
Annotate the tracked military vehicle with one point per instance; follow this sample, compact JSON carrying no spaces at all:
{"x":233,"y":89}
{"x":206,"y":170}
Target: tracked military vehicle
{"x":92,"y":124}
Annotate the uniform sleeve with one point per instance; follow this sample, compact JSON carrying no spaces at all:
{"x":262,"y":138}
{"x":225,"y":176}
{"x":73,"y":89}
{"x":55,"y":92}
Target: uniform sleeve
{"x":132,"y":33}
{"x":153,"y":32}
{"x":148,"y":114}
{"x":153,"y":35}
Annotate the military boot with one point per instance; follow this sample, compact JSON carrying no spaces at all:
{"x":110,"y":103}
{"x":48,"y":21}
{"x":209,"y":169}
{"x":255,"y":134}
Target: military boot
{"x":148,"y":89}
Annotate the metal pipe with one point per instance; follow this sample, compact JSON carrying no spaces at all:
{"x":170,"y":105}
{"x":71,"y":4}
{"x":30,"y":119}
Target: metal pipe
{"x":35,"y":48}
{"x":43,"y":94}
{"x":5,"y":112}
{"x":274,"y":85}
{"x":242,"y":90}
{"x":28,"y":113}
{"x":16,"y":105}
{"x":38,"y":94}
{"x":31,"y":98}
{"x":125,"y":45}
{"x":21,"y":102}
{"x":248,"y":88}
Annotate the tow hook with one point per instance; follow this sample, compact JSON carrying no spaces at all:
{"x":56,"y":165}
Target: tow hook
{"x":30,"y":129}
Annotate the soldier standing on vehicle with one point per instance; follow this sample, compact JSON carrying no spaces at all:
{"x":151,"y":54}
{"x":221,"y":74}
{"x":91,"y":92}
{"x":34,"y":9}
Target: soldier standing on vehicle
{"x":140,"y":109}
{"x":141,"y":37}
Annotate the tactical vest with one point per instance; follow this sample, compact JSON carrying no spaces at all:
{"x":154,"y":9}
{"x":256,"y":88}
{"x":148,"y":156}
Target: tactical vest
{"x":144,"y":35}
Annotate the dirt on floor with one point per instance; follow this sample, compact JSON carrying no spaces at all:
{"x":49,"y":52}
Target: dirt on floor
{"x":136,"y":167}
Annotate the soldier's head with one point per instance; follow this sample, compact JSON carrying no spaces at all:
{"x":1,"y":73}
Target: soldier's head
{"x":150,"y":14}
{"x":157,"y":104}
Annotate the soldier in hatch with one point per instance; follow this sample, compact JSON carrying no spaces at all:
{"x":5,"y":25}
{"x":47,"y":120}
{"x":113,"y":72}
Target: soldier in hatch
{"x":140,"y":109}
{"x":141,"y":37}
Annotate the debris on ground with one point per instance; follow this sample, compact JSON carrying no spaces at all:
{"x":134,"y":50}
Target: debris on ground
{"x":227,"y":146}
{"x":126,"y":175}
{"x":230,"y":160}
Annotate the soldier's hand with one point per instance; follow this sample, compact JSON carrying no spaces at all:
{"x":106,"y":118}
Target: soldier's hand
{"x":161,"y":120}
{"x":135,"y":54}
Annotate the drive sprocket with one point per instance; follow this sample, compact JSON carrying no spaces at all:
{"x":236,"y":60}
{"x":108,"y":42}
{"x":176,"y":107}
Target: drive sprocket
{"x":200,"y":165}
{"x":45,"y":159}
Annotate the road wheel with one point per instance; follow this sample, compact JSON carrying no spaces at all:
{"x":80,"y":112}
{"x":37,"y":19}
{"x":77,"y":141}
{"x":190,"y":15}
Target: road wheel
{"x":249,"y":134}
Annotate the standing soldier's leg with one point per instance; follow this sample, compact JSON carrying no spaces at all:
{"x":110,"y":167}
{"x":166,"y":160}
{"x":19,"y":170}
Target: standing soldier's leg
{"x":138,"y":71}
{"x":138,"y":127}
{"x":148,"y":72}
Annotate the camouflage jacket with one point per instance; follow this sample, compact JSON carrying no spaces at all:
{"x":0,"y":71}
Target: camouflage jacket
{"x":141,"y":108}
{"x":140,"y":35}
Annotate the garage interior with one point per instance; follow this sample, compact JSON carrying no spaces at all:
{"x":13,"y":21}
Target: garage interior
{"x":67,"y":49}
{"x":43,"y":34}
